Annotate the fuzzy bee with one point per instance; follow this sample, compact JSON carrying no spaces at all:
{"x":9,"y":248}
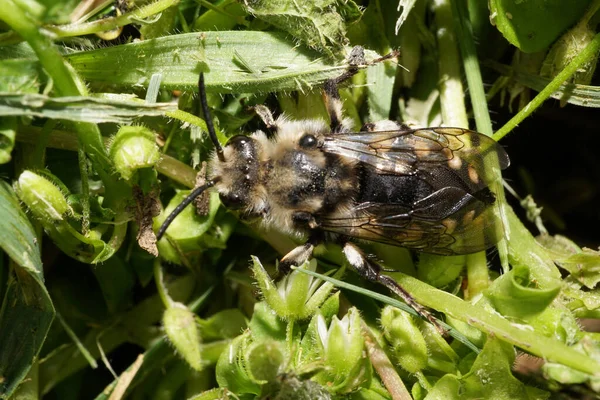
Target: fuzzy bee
{"x":423,"y":189}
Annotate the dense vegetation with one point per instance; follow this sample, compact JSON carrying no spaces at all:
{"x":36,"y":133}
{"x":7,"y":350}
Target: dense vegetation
{"x":99,"y":129}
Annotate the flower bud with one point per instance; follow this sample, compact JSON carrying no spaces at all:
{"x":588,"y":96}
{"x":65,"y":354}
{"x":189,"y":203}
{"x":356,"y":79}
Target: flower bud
{"x":133,"y":148}
{"x":297,"y":295}
{"x":342,"y":344}
{"x":181,"y":329}
{"x":405,"y":338}
{"x":42,"y":197}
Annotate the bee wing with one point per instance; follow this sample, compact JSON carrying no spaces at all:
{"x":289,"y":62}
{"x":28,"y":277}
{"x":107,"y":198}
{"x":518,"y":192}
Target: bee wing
{"x":460,"y":216}
{"x":449,"y":221}
{"x":405,"y":152}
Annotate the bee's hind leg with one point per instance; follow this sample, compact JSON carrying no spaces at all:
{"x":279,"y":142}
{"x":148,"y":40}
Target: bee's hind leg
{"x":372,"y":271}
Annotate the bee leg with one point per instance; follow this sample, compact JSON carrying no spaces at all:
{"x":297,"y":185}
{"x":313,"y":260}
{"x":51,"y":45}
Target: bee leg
{"x":331,"y":95}
{"x":372,"y":271}
{"x":300,"y":254}
{"x":333,"y":103}
{"x":266,"y":116}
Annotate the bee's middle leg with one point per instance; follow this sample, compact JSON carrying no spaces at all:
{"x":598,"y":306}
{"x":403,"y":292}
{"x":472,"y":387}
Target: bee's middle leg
{"x":266,"y":116}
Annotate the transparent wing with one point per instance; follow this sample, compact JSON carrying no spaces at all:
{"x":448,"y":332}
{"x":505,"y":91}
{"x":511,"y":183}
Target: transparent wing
{"x":450,"y":221}
{"x":460,"y":216}
{"x":461,"y":152}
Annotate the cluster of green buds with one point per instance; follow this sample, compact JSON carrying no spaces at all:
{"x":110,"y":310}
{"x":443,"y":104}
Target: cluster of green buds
{"x":89,"y":228}
{"x":48,"y":200}
{"x":280,"y":352}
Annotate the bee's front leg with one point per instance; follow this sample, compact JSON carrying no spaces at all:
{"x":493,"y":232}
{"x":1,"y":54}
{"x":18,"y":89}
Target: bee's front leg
{"x":372,"y":271}
{"x":300,"y":254}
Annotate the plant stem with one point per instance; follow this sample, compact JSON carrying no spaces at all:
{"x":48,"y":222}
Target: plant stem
{"x":107,"y":24}
{"x":85,"y":192}
{"x":160,"y":285}
{"x":66,"y":83}
{"x":454,"y":112}
{"x":464,"y":32}
{"x":452,"y":97}
{"x":586,"y":54}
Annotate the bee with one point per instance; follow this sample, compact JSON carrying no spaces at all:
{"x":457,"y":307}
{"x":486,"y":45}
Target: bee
{"x":423,"y":189}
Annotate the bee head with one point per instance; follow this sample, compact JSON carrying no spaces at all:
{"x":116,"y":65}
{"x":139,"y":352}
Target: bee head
{"x":238,"y":171}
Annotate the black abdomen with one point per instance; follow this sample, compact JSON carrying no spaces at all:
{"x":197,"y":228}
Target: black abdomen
{"x":391,"y":189}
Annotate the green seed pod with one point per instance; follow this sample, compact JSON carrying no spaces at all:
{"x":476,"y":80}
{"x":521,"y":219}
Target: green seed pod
{"x":133,"y":148}
{"x":45,"y":200}
{"x":231,"y":371}
{"x":265,"y":360}
{"x":566,"y":49}
{"x":181,"y":329}
{"x":405,"y":339}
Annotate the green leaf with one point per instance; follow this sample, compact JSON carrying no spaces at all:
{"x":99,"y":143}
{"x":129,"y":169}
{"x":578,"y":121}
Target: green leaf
{"x":19,"y":76}
{"x":224,"y":324}
{"x":447,"y":388}
{"x":491,"y":377}
{"x":581,"y":95}
{"x":181,"y":329}
{"x":404,"y":6}
{"x":178,"y":59}
{"x":563,"y":374}
{"x":515,"y":294}
{"x":583,"y":264}
{"x":80,"y":108}
{"x":316,"y":23}
{"x":187,"y":230}
{"x":116,"y":281}
{"x":27,"y":310}
{"x":265,"y":324}
{"x":533,"y":25}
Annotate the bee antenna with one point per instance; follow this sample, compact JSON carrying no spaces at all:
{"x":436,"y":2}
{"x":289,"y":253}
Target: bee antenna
{"x":181,"y":206}
{"x":207,"y":117}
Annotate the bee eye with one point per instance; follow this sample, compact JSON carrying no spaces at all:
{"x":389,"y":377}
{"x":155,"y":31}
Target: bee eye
{"x":232,"y":201}
{"x":308,"y":141}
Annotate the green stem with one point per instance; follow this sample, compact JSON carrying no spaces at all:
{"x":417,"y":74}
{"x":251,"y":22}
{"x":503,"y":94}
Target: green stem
{"x":384,"y":367}
{"x":167,"y":165}
{"x":160,"y":285}
{"x":590,"y":12}
{"x":66,"y":83}
{"x":454,"y":112}
{"x":85,"y":192}
{"x":42,"y":143}
{"x":590,"y":52}
{"x":107,"y":24}
{"x":452,"y":99}
{"x":488,"y":322}
{"x":466,"y":44}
